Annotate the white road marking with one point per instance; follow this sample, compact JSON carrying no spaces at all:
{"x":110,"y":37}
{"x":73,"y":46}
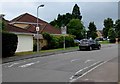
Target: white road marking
{"x":86,"y":79}
{"x":71,"y":78}
{"x":29,"y":64}
{"x":89,"y":60}
{"x":13,"y":64}
{"x":74,"y":60}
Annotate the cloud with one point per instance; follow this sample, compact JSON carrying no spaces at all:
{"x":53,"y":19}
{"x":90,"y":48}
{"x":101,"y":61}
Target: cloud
{"x":91,"y":11}
{"x":13,"y":9}
{"x":98,"y":11}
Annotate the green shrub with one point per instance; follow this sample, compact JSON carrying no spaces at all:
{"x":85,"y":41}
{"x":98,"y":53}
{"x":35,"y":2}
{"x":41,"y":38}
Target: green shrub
{"x":9,"y":44}
{"x":57,"y":41}
{"x":54,"y":43}
{"x":35,"y":47}
{"x":69,"y":41}
{"x":61,"y":41}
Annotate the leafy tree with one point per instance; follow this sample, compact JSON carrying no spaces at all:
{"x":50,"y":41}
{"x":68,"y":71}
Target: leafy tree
{"x":76,"y":12}
{"x":117,"y":28}
{"x":61,"y":19}
{"x":65,"y":18}
{"x":112,"y":35}
{"x":84,"y":32}
{"x":108,"y":23}
{"x":92,"y":30}
{"x":2,"y":24}
{"x":54,"y":22}
{"x":75,"y":27}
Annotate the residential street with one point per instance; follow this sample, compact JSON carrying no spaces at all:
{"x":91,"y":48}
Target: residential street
{"x":56,"y":68}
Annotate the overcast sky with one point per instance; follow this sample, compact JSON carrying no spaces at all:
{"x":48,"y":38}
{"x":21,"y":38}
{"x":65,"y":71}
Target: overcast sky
{"x":94,"y":10}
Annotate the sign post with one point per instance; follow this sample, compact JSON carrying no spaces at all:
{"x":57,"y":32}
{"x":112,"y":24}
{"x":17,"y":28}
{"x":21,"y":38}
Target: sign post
{"x":63,"y":30}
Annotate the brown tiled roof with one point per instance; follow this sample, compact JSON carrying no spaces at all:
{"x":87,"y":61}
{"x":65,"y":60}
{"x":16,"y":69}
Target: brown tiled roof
{"x":11,"y":28}
{"x":27,"y":18}
{"x":50,"y":29}
{"x":45,"y":27}
{"x":31,"y":28}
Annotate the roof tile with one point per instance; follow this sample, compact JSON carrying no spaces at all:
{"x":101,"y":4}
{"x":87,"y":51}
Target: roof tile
{"x":45,"y":27}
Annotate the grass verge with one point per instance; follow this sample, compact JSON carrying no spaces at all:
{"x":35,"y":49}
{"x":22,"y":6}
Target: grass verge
{"x":43,"y":51}
{"x":104,"y":42}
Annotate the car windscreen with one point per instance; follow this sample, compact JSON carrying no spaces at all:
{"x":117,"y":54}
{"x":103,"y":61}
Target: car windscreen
{"x":84,"y":41}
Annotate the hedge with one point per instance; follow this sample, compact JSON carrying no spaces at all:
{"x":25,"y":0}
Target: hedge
{"x":57,"y":41}
{"x":9,"y":44}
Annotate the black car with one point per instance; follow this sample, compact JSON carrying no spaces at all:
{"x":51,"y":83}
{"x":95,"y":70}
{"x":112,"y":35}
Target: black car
{"x":89,"y":44}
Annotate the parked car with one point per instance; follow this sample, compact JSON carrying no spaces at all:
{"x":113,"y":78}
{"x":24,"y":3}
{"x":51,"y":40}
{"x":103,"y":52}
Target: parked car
{"x":89,"y":44}
{"x":77,"y":42}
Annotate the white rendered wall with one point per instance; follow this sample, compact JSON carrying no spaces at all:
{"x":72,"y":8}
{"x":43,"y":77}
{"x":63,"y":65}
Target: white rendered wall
{"x":25,"y":43}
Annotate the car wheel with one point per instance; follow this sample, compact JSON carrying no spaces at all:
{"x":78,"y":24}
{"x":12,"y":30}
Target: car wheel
{"x":99,"y":47}
{"x":90,"y":48}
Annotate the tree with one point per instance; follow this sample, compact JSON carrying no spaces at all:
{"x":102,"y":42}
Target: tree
{"x":61,"y":19}
{"x":108,"y":23}
{"x":112,"y":35}
{"x":92,"y":30}
{"x":117,"y":28}
{"x":2,"y":24}
{"x":65,"y":18}
{"x":76,"y":12}
{"x":75,"y":27}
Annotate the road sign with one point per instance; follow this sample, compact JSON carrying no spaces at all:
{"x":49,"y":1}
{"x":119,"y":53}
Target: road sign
{"x":63,"y":30}
{"x":37,"y":28}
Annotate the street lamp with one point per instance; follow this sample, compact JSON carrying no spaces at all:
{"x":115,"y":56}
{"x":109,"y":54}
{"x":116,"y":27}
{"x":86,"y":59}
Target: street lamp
{"x":63,"y":31}
{"x":86,"y":35}
{"x":37,"y":28}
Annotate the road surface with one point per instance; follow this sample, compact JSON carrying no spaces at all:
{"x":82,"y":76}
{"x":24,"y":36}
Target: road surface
{"x":55,"y":68}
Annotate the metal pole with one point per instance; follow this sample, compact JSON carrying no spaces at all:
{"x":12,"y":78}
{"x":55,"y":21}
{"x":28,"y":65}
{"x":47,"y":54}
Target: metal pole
{"x":37,"y":29}
{"x":86,"y":35}
{"x":63,"y":31}
{"x":64,"y":42}
{"x":37,"y":32}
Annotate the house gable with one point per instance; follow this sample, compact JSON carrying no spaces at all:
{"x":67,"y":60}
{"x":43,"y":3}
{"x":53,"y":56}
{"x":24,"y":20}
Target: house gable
{"x":28,"y":21}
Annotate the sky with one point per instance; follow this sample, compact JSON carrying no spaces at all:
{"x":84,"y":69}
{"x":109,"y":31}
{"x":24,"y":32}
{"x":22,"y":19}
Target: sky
{"x":91,"y":10}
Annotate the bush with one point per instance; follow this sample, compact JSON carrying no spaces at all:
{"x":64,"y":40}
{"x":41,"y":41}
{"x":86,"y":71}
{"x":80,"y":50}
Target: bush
{"x":54,"y":43}
{"x":9,"y":44}
{"x":69,"y":41}
{"x":57,"y":41}
{"x":61,"y":41}
{"x":35,"y":47}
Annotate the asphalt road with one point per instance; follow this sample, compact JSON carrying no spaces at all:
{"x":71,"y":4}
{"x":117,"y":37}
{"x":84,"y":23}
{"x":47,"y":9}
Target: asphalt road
{"x":55,"y":68}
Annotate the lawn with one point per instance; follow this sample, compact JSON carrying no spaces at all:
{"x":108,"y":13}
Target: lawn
{"x":104,"y":42}
{"x":43,"y":51}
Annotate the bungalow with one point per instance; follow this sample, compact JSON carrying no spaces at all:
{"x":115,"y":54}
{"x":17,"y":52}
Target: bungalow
{"x":25,"y":38}
{"x":28,"y":22}
{"x":99,"y":33}
{"x":24,"y":26}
